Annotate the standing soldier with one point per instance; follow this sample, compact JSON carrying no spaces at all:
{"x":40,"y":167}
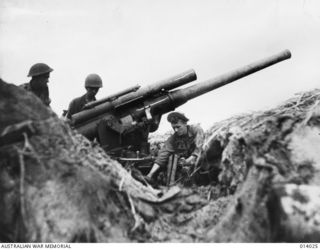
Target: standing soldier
{"x":38,"y":85}
{"x":181,"y":150}
{"x":92,"y":84}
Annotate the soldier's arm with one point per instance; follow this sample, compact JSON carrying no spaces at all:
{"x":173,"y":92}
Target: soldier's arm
{"x":70,"y":109}
{"x":199,"y":139}
{"x":162,"y":158}
{"x":154,"y":169}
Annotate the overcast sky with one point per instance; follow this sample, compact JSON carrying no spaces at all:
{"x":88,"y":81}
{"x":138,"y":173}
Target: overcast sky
{"x":130,"y":42}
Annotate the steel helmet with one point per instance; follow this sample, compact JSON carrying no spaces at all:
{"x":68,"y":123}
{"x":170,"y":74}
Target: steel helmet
{"x":93,"y":80}
{"x":39,"y":69}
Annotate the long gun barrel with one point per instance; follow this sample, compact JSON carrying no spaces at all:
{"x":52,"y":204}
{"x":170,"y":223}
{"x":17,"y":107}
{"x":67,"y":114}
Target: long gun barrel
{"x":167,"y":84}
{"x":112,"y":97}
{"x":214,"y":83}
{"x":178,"y":97}
{"x":163,"y":102}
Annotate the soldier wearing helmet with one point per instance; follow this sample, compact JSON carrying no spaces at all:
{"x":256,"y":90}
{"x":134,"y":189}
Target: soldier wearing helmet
{"x":92,"y":84}
{"x":185,"y":143}
{"x":38,"y":85}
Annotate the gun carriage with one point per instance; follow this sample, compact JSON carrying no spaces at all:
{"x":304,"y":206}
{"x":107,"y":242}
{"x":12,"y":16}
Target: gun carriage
{"x":117,"y":121}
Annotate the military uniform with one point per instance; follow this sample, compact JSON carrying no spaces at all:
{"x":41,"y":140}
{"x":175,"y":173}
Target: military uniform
{"x":42,"y":93}
{"x":40,"y":73}
{"x":138,"y":138}
{"x":184,"y":146}
{"x":78,"y":104}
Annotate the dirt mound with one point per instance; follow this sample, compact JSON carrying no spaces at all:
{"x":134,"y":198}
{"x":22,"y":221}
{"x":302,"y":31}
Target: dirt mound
{"x":55,"y":185}
{"x":268,"y":160}
{"x":261,"y":173}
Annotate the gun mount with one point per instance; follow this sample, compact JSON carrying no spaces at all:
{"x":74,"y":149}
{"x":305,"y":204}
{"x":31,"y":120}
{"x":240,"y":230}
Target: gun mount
{"x":112,"y":97}
{"x":127,"y":120}
{"x":133,"y":97}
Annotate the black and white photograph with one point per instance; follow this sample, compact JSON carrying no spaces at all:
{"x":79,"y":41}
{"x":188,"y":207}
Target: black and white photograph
{"x":159,"y":121}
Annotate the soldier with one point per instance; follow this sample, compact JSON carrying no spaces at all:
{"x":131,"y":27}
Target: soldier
{"x":38,"y":85}
{"x":185,"y":144}
{"x":92,"y":84}
{"x":137,"y":140}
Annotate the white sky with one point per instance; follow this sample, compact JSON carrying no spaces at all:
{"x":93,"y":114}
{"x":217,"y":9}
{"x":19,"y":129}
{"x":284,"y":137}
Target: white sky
{"x":130,"y":42}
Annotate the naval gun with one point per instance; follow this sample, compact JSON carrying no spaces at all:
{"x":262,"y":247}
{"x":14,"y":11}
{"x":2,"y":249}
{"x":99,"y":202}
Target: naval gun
{"x":126,"y":121}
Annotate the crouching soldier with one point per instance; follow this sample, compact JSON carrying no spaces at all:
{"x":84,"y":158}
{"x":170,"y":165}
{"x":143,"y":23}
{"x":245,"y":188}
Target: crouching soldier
{"x":180,"y":152}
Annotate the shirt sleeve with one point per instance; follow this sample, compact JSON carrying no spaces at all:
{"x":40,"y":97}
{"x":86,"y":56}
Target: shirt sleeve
{"x":165,"y":152}
{"x":199,"y":139}
{"x":70,"y":110}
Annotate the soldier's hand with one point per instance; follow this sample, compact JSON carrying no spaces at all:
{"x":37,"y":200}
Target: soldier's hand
{"x":191,"y":160}
{"x":182,"y":161}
